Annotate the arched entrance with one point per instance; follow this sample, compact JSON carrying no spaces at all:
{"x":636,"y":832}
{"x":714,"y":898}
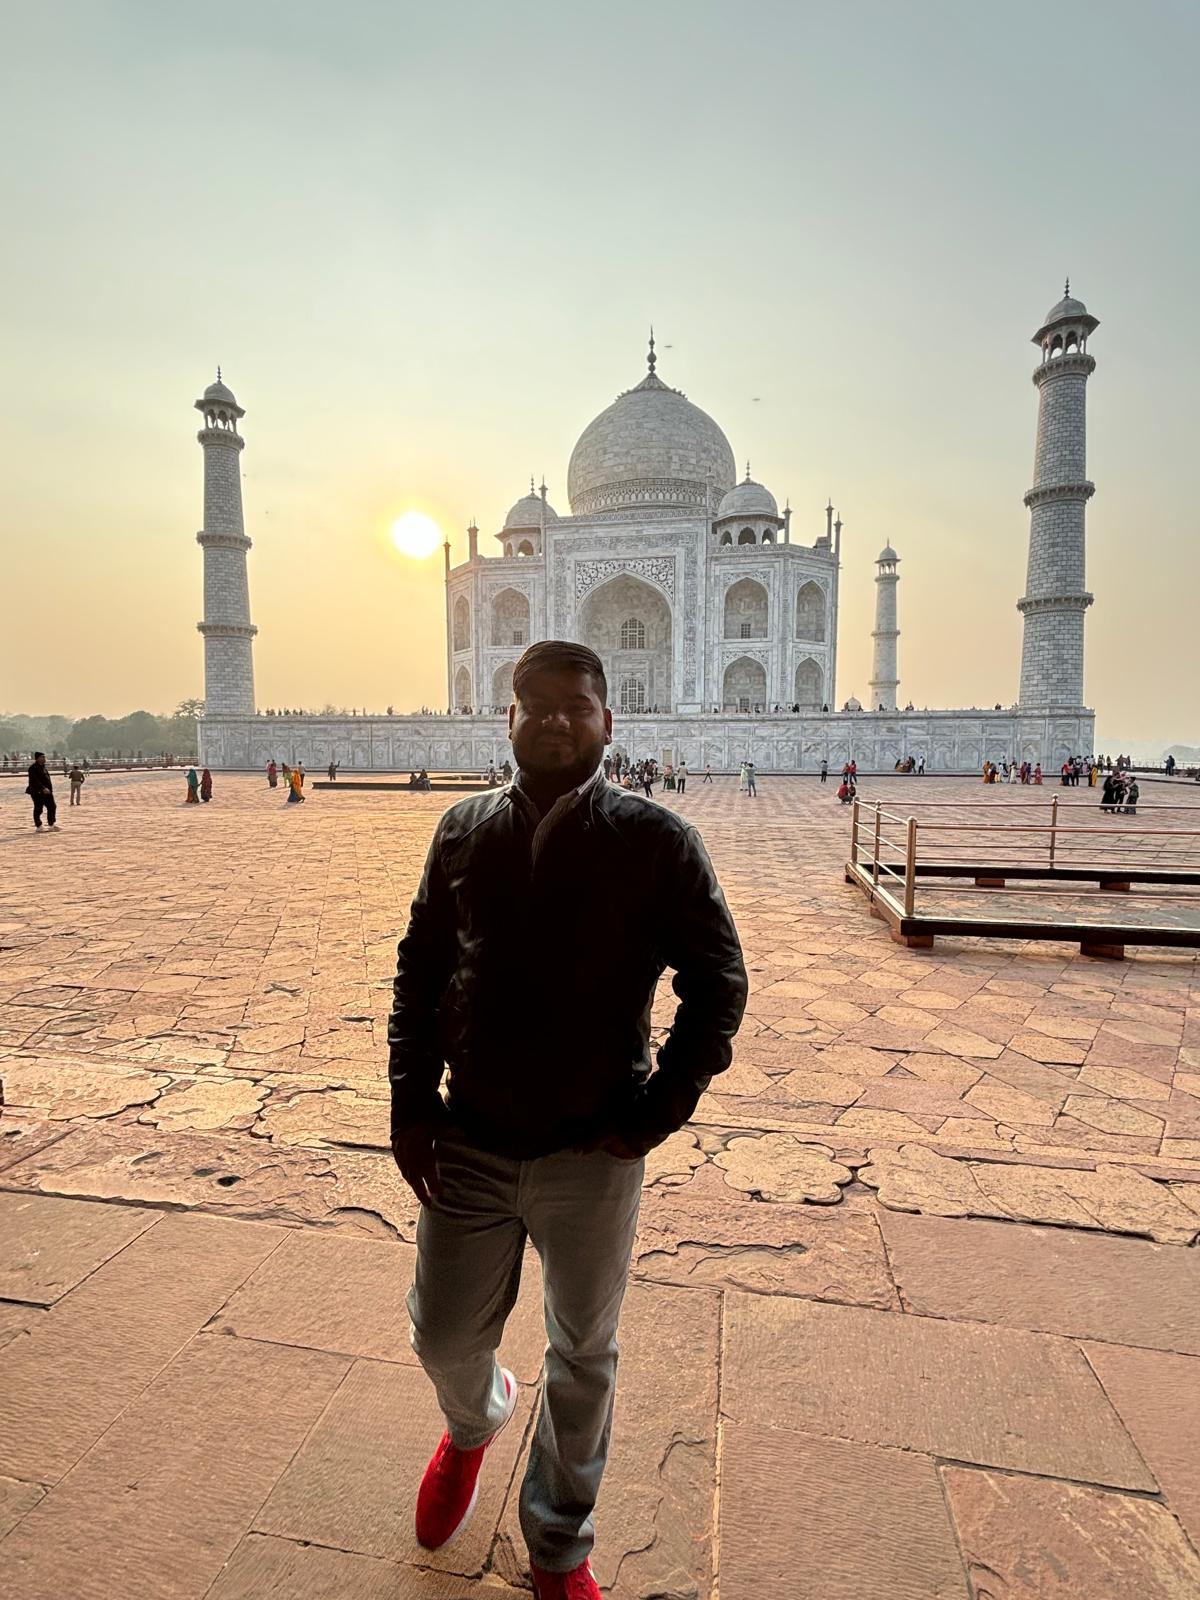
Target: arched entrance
{"x":462,"y":624}
{"x":462,"y":688}
{"x":810,"y":612}
{"x":746,"y":609}
{"x":744,"y":686}
{"x":502,"y":689}
{"x":510,"y":618}
{"x":628,"y":624}
{"x":808,"y":685}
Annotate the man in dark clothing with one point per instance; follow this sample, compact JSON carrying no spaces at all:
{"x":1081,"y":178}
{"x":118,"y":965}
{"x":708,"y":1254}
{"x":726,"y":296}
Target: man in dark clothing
{"x":519,"y":930}
{"x":40,"y":788}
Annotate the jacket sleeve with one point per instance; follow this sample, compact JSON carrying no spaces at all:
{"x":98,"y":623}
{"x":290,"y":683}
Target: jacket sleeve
{"x":702,"y":945}
{"x":424,"y":967}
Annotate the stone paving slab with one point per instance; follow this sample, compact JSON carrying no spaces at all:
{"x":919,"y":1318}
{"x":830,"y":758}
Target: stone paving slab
{"x":16,"y":1498}
{"x":1029,"y":1539}
{"x":964,"y":1391}
{"x":329,"y":1292}
{"x":806,"y":1518}
{"x":158,"y":1505}
{"x":47,"y":1246}
{"x":93,"y":1353}
{"x":1049,"y":1280}
{"x":1157,"y":1397}
{"x":354,"y":1483}
{"x":267,"y":1568}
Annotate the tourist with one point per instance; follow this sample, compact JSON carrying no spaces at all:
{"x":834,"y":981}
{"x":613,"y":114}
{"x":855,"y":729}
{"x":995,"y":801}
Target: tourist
{"x":1037,"y":775}
{"x":751,"y":789}
{"x":76,"y":776}
{"x":648,"y":780}
{"x":507,"y":771}
{"x":1169,"y":766}
{"x":333,"y":770}
{"x":206,"y":785}
{"x":742,"y":778}
{"x":1131,"y":798}
{"x":40,"y":790}
{"x":295,"y":780}
{"x":272,"y":774}
{"x":193,"y":788}
{"x":300,"y":770}
{"x":669,"y":777}
{"x":824,"y":772}
{"x":1113,"y":787}
{"x":846,"y":790}
{"x":707,"y":773}
{"x":519,"y":1148}
{"x":681,"y":777}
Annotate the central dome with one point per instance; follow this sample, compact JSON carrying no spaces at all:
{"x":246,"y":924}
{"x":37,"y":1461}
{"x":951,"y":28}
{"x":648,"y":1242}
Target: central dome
{"x":652,"y":449}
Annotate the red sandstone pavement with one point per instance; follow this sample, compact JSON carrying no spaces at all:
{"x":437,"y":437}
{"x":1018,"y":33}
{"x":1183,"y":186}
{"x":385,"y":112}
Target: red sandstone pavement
{"x":914,"y":1304}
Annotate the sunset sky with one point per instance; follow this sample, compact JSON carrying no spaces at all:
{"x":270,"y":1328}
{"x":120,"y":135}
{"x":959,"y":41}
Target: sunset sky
{"x":424,"y":244}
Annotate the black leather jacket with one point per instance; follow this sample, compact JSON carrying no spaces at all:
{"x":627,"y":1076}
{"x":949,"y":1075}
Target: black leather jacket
{"x":533,"y":981}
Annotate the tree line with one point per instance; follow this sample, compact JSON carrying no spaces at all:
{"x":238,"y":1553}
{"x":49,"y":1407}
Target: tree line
{"x":144,"y":732}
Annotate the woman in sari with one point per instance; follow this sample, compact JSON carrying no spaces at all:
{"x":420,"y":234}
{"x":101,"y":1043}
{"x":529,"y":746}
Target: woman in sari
{"x":206,"y":785}
{"x":193,"y":783}
{"x":294,"y":781}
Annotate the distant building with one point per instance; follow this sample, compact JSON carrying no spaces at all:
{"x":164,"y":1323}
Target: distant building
{"x":717,"y":628}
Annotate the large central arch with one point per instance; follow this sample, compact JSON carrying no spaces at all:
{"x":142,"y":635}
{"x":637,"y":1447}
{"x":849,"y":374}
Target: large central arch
{"x":609,"y":623}
{"x":744,"y":685}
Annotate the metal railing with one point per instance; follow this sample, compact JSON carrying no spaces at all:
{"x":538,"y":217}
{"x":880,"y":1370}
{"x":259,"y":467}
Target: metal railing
{"x":990,"y":849}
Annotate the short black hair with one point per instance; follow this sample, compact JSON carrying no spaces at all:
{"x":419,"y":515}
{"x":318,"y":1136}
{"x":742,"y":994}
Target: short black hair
{"x":39,"y":755}
{"x":559,"y":655}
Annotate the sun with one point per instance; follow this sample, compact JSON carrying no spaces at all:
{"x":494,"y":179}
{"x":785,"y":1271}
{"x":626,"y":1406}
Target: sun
{"x":414,"y":534}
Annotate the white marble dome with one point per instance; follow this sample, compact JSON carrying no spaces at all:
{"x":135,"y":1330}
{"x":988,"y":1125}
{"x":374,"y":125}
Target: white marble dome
{"x":887,"y":554}
{"x":1067,"y":308}
{"x":527,"y":512}
{"x":652,"y":449}
{"x":748,"y":499}
{"x":220,"y":392}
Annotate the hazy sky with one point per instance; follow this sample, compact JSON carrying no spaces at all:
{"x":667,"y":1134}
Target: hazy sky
{"x":424,"y":244}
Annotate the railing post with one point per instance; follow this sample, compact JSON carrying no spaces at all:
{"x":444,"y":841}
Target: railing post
{"x":854,"y":835}
{"x":875,"y":863}
{"x":1053,"y":827}
{"x":910,"y":867}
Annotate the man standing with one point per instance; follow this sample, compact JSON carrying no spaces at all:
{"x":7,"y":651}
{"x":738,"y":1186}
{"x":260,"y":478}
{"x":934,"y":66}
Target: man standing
{"x":516,"y":933}
{"x":40,"y":789}
{"x":824,"y":772}
{"x":75,"y":776}
{"x":681,"y":778}
{"x":707,"y":772}
{"x":751,"y":781}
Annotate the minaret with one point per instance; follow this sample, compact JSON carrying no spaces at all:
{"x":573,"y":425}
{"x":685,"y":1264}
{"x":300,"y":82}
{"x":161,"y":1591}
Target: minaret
{"x":1055,"y":596}
{"x":227,"y":629}
{"x":884,"y":678}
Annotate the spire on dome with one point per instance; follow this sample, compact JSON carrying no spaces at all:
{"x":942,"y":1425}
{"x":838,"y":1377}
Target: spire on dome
{"x":747,"y":479}
{"x":651,"y":358}
{"x":1067,"y":289}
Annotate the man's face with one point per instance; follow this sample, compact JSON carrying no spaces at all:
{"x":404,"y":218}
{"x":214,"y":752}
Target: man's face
{"x":559,"y":726}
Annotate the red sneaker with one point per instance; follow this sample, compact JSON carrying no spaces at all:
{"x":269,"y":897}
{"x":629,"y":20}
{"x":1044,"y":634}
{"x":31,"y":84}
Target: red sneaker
{"x":578,"y":1584}
{"x":450,"y":1486}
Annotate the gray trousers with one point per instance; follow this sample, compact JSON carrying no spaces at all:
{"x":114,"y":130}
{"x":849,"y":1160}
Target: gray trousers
{"x":580,"y":1213}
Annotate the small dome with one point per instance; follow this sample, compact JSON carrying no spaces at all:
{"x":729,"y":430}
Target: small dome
{"x":853,"y":705}
{"x":887,"y":554}
{"x":1066,"y":309}
{"x":221,"y":392}
{"x":748,"y":499}
{"x":527,"y":513}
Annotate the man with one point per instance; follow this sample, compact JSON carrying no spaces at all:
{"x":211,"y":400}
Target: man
{"x":333,"y":770}
{"x":681,"y":778}
{"x":751,"y":781}
{"x":707,"y":772}
{"x":824,"y":772}
{"x":516,"y":932}
{"x":75,"y":777}
{"x":40,"y":789}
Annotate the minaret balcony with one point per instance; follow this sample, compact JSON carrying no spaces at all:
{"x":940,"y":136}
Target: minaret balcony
{"x":226,"y":630}
{"x":222,"y":541}
{"x":1079,"y":601}
{"x":1040,"y":495}
{"x":1075,"y":361}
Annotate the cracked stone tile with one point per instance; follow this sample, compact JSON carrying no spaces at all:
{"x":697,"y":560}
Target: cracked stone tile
{"x":777,"y":1166}
{"x":1112,"y":1197}
{"x":1035,"y":1539}
{"x":885,"y":1124}
{"x":1111,"y":1116}
{"x":673,"y":1162}
{"x":67,"y":1087}
{"x":207,"y":1103}
{"x":326,"y":1117}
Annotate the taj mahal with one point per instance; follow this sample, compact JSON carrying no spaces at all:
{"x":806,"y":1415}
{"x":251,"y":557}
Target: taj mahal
{"x":714,"y":612}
